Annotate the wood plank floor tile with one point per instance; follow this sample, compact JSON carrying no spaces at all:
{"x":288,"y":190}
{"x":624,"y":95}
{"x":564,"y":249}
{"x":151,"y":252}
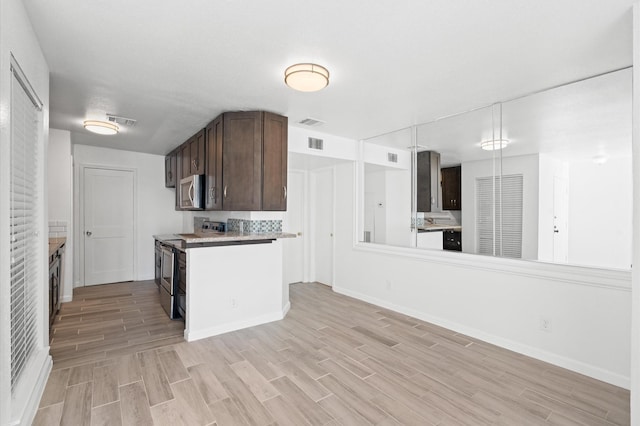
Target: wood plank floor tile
{"x":257,"y":384}
{"x":173,"y":366}
{"x":332,"y":360}
{"x":77,"y":405}
{"x":190,"y":403}
{"x":208,"y":384}
{"x":296,"y":397}
{"x":107,"y":415}
{"x":54,"y":391}
{"x":134,"y":405}
{"x":247,"y":403}
{"x":227,"y":413}
{"x":49,"y":415}
{"x":105,"y":385}
{"x":154,"y":377}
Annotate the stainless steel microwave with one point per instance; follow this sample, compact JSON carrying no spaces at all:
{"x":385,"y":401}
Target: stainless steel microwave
{"x":191,"y":192}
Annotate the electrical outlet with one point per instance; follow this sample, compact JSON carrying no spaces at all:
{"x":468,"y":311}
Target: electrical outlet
{"x":234,"y":302}
{"x":545,"y":324}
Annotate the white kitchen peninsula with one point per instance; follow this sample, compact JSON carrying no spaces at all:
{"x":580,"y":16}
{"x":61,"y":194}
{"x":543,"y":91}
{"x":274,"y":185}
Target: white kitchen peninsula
{"x":233,"y":281}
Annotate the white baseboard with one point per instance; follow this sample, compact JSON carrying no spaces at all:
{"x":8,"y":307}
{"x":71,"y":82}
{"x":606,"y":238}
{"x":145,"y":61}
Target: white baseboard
{"x":29,"y":398}
{"x":191,"y":336}
{"x":552,"y":358}
{"x":285,"y":310}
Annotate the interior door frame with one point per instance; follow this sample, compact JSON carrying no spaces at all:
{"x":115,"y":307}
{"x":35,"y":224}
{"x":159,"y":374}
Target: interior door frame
{"x":304,"y":205}
{"x":312,"y":226}
{"x":79,"y":222}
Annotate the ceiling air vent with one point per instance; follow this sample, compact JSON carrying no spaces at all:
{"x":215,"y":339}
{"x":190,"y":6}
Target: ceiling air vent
{"x":315,"y":143}
{"x":311,"y":122}
{"x":123,"y":121}
{"x":392,"y":157}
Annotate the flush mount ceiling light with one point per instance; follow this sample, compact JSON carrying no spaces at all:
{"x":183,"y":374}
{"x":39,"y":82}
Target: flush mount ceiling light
{"x":494,"y":145}
{"x":101,"y":127}
{"x":306,"y":77}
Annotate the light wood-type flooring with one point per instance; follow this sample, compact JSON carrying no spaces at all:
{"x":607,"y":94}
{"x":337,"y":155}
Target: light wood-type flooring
{"x":332,"y":361}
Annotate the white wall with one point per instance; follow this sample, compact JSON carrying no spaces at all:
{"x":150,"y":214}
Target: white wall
{"x":600,"y":213}
{"x":527,"y":165}
{"x":635,"y":320}
{"x":334,"y":146}
{"x":496,"y":300}
{"x":155,"y":204}
{"x":60,"y":194}
{"x":375,"y":202}
{"x":18,"y":38}
{"x":549,"y":169}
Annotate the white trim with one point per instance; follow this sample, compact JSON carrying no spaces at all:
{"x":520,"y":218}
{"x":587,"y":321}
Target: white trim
{"x":31,"y":388}
{"x":635,"y":293}
{"x":191,"y":336}
{"x":285,"y":309}
{"x":561,"y":361}
{"x":80,"y":281}
{"x":604,"y":278}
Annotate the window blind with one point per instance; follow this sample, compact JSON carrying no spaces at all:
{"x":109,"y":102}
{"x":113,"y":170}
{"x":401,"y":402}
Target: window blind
{"x":23,"y":213}
{"x":499,"y":215}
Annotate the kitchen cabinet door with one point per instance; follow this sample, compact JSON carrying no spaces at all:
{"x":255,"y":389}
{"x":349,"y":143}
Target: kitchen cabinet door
{"x":242,"y":159}
{"x":185,"y":155}
{"x":451,"y":188}
{"x":170,"y":170}
{"x":196,"y":152}
{"x":274,"y":163}
{"x":213,"y":174}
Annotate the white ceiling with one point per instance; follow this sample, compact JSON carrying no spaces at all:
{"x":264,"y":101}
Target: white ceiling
{"x":174,"y":65}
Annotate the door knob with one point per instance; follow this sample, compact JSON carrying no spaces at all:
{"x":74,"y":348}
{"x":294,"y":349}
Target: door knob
{"x":88,"y":233}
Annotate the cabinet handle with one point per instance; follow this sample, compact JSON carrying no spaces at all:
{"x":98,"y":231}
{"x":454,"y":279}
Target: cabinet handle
{"x":189,"y":193}
{"x":170,"y":175}
{"x":211,"y":192}
{"x":224,"y":193}
{"x":284,"y":188}
{"x":88,"y":233}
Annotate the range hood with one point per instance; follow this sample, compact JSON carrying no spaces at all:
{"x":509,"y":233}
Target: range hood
{"x":429,"y":182}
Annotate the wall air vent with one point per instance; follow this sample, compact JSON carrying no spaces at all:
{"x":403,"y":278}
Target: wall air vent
{"x":311,"y":122}
{"x":392,"y":157}
{"x":315,"y":143}
{"x":122,"y":121}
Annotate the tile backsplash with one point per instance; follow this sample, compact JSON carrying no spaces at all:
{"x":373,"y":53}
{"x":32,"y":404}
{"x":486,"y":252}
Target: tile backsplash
{"x":57,"y":228}
{"x":254,"y":226}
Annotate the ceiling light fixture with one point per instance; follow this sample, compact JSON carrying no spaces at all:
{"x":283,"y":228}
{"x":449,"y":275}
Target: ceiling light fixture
{"x":494,"y":145}
{"x":101,"y":127}
{"x":306,"y":77}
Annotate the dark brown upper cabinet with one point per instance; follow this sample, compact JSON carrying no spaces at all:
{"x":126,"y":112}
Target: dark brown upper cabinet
{"x":196,"y":150}
{"x":242,"y":161}
{"x":274,"y":162}
{"x":243,"y":156}
{"x":213,"y":174}
{"x":451,"y":188}
{"x":170,"y":166}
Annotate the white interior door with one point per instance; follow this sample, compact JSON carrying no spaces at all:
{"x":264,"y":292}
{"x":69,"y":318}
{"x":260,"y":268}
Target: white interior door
{"x":323,"y":225}
{"x":294,"y":223}
{"x":108,"y":225}
{"x":560,"y":221}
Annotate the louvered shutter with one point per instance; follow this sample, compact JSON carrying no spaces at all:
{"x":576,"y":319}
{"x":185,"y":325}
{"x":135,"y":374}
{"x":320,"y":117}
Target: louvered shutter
{"x":24,"y":198}
{"x":499,"y":215}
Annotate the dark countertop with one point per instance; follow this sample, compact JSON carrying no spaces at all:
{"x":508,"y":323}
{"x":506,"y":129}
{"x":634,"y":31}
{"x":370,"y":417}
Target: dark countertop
{"x":434,"y":228}
{"x":211,"y":239}
{"x":55,"y":244}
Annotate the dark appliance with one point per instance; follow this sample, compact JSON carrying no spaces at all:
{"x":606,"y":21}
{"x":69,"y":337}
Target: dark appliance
{"x":181,"y":293}
{"x":158,"y":263}
{"x":168,"y":282}
{"x":452,"y":240}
